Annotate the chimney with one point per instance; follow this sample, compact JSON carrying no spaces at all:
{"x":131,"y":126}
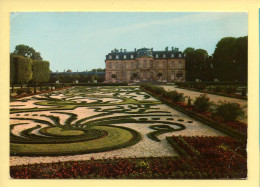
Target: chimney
{"x":135,"y":49}
{"x":166,"y":48}
{"x":121,"y":50}
{"x":172,"y":48}
{"x":152,"y":49}
{"x":124,"y":50}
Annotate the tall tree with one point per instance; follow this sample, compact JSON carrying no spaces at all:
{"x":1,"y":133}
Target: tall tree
{"x":198,"y":64}
{"x":12,"y":71}
{"x":24,"y":70}
{"x":190,"y":63}
{"x":41,"y":72}
{"x":241,"y":58}
{"x":224,"y":59}
{"x":27,"y":51}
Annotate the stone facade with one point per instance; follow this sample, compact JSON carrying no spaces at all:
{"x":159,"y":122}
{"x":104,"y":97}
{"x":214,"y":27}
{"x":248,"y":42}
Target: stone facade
{"x":145,"y":65}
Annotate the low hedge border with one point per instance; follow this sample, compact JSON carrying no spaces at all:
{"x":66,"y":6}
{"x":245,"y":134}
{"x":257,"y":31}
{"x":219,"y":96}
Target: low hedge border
{"x":136,"y":137}
{"x":215,"y":93}
{"x":27,"y":95}
{"x":231,"y":132}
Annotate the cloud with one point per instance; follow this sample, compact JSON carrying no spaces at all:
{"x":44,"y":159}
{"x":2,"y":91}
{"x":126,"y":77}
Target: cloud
{"x":179,"y":21}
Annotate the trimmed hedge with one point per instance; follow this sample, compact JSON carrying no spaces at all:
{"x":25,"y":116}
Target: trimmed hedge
{"x":208,"y":121}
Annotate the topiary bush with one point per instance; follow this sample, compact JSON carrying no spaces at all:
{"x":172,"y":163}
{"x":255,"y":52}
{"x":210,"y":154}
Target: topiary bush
{"x":202,"y":103}
{"x":158,"y":90}
{"x":229,"y":111}
{"x":189,"y":102}
{"x":175,"y":96}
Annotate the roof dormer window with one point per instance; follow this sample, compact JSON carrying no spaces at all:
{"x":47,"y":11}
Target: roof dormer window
{"x":117,"y":56}
{"x":132,"y":56}
{"x":124,"y":56}
{"x":110,"y":57}
{"x":180,"y":55}
{"x":156,"y":56}
{"x":172,"y":55}
{"x":164,"y":55}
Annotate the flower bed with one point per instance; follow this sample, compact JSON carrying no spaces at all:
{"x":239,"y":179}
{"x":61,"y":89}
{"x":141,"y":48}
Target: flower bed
{"x":41,"y":92}
{"x":235,"y":129}
{"x":222,"y":154}
{"x":136,"y":168}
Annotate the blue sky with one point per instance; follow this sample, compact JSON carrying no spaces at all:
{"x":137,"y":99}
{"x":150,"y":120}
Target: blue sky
{"x":80,"y":40}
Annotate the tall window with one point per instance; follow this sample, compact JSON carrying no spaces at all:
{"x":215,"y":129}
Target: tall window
{"x":109,"y":66}
{"x":164,"y":64}
{"x":180,"y":64}
{"x":172,"y":64}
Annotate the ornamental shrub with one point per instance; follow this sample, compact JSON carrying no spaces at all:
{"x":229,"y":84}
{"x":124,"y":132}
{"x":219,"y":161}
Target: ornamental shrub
{"x":20,"y":91}
{"x":158,"y":90}
{"x":189,"y":102}
{"x":218,"y":89}
{"x":175,"y":96}
{"x":202,"y":103}
{"x":230,"y":89}
{"x":229,"y":111}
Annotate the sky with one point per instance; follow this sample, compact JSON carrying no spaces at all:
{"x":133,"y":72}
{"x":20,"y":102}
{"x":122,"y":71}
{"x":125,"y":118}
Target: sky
{"x":80,"y":41}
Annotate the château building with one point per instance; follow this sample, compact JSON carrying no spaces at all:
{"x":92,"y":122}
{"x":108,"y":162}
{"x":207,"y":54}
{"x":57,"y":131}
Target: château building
{"x":145,"y":65}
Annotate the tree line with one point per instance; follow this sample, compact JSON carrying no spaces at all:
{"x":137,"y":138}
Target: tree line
{"x":28,"y":67}
{"x":228,"y":62}
{"x":72,"y":78}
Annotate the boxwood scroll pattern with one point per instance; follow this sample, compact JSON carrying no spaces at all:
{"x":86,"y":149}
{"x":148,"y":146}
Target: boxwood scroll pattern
{"x":48,"y":136}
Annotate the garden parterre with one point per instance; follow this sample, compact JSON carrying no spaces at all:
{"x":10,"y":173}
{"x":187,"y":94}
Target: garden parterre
{"x":81,"y":123}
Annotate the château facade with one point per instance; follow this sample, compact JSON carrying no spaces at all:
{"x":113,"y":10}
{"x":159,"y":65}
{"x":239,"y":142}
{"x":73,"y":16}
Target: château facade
{"x":145,"y":64}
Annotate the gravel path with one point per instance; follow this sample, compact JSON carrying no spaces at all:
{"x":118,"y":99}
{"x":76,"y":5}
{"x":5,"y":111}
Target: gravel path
{"x":145,"y":148}
{"x":214,"y":98}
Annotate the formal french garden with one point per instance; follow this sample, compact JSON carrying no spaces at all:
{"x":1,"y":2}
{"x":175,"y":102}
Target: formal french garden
{"x":131,"y":132}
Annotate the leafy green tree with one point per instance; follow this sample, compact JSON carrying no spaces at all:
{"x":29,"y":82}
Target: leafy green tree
{"x":190,"y":63}
{"x":241,"y":58}
{"x":100,"y":70}
{"x":41,"y":72}
{"x":198,"y":64}
{"x":76,"y":77}
{"x":101,"y":78}
{"x":24,"y":70}
{"x":224,"y":59}
{"x":12,"y":71}
{"x":26,"y":51}
{"x":94,"y":77}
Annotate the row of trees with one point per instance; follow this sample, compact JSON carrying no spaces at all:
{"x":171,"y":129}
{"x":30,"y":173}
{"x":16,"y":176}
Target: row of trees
{"x":26,"y":69}
{"x":72,"y":78}
{"x":228,"y":62}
